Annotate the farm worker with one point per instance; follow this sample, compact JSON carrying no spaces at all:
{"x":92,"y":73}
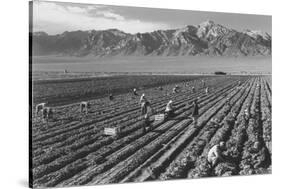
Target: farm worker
{"x":215,"y":154}
{"x":143,"y":98}
{"x":146,"y":122}
{"x":39,"y":107}
{"x":84,"y":106}
{"x":239,"y":83}
{"x":111,"y":96}
{"x":256,"y":147}
{"x":169,"y":111}
{"x":207,"y":90}
{"x":160,"y":88}
{"x":144,"y":104}
{"x":193,"y":89}
{"x":203,"y":82}
{"x":47,"y":113}
{"x":246,"y":114}
{"x":195,"y":112}
{"x":175,"y":90}
{"x":135,"y":91}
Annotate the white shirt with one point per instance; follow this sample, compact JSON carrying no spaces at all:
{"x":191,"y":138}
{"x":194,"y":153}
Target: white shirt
{"x":142,"y":99}
{"x":214,"y":152}
{"x":169,"y":107}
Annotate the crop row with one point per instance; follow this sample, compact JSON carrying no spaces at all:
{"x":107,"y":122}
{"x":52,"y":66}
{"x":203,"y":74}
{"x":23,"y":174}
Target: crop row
{"x":255,"y":158}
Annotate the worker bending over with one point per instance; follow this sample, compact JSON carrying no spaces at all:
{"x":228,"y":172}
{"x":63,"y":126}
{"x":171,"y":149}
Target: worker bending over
{"x":169,"y":111}
{"x":193,"y":89}
{"x":111,"y":96}
{"x":135,"y":92}
{"x":215,"y":154}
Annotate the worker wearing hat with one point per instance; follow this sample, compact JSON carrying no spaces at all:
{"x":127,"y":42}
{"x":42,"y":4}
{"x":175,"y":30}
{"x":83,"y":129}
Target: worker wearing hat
{"x":169,"y":111}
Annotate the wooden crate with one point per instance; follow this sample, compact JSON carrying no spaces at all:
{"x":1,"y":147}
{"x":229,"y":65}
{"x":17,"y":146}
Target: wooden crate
{"x":111,"y":131}
{"x":159,"y":117}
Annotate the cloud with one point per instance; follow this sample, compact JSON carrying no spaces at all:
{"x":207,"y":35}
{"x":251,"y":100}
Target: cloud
{"x":56,"y":18}
{"x":110,"y":15}
{"x":76,"y":9}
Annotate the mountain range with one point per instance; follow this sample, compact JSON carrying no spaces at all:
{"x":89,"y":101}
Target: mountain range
{"x":208,"y":38}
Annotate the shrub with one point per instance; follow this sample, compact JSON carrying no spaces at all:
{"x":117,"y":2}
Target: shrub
{"x":220,"y":73}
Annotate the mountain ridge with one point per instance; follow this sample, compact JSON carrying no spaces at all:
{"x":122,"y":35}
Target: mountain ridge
{"x":207,"y":38}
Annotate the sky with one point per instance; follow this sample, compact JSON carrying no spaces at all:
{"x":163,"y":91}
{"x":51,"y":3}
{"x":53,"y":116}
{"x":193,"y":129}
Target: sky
{"x":58,"y":17}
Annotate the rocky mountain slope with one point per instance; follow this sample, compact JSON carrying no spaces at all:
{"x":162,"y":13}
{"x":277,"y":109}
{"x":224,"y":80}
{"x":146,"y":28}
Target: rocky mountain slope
{"x":208,"y":38}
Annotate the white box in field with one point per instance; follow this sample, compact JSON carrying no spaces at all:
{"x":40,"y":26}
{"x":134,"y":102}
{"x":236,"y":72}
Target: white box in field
{"x":159,"y":117}
{"x":111,"y":131}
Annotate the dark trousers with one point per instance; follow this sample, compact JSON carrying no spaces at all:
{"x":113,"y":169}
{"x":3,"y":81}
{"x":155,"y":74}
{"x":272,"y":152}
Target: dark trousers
{"x":169,"y":114}
{"x":143,"y":109}
{"x":146,"y":124}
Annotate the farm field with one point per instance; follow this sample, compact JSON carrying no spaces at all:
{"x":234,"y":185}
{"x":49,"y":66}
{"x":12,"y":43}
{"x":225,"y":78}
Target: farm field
{"x":71,"y":149}
{"x":64,"y":91}
{"x":155,"y":64}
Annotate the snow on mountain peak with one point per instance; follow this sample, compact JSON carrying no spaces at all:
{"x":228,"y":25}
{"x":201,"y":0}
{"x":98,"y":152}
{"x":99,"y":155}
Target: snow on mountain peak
{"x":209,"y":29}
{"x":256,"y":33}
